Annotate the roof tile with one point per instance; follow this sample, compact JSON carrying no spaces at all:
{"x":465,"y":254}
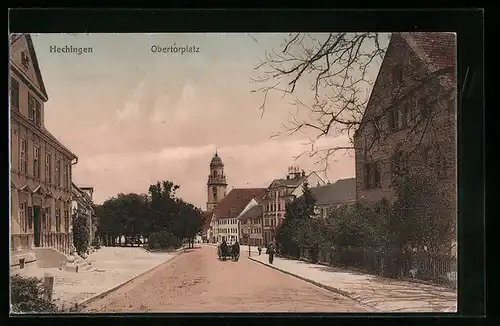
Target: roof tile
{"x":236,"y":200}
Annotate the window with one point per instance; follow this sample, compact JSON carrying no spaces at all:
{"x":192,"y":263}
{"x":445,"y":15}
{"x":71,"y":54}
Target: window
{"x":397,"y":75}
{"x":65,"y":175}
{"x":399,"y":163}
{"x":58,"y":220}
{"x":22,"y":216}
{"x":38,"y":113}
{"x":371,"y":175}
{"x":402,"y":117}
{"x":14,"y":93}
{"x":31,"y":107}
{"x":34,"y":110}
{"x":36,"y":162}
{"x":23,"y":162}
{"x":66,"y":220}
{"x":30,"y":217}
{"x":441,"y":166}
{"x":47,"y":221}
{"x":48,"y":167}
{"x":214,"y":191}
{"x":58,"y":172}
{"x":215,"y":173}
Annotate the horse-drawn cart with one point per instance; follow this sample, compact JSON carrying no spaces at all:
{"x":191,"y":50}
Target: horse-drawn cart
{"x":225,"y":252}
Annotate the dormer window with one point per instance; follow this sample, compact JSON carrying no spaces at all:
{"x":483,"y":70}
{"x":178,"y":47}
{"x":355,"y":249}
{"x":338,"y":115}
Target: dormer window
{"x":25,"y":59}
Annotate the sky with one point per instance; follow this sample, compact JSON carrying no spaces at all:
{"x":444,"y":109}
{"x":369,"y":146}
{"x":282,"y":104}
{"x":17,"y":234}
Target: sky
{"x":134,"y":117}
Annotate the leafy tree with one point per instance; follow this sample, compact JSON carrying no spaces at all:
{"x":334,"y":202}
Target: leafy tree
{"x":81,"y":234}
{"x":149,"y":214}
{"x":296,"y":230}
{"x":26,"y":295}
{"x":421,"y":215}
{"x":163,"y":205}
{"x":163,"y":240}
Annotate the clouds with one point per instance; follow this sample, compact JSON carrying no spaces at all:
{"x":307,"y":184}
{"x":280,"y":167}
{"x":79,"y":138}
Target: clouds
{"x":248,"y":165}
{"x":134,"y":117}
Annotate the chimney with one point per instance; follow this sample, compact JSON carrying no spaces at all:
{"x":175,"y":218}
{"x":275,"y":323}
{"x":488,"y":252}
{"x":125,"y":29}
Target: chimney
{"x":303,"y":173}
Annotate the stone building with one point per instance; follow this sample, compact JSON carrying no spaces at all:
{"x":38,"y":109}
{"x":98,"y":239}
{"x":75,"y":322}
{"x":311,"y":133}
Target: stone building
{"x":410,"y":119}
{"x":40,"y":165}
{"x":279,"y":192}
{"x":217,"y":184}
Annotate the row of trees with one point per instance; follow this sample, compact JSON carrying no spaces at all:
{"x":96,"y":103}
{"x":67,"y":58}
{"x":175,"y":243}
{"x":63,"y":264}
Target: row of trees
{"x":159,"y":216}
{"x":418,"y":218}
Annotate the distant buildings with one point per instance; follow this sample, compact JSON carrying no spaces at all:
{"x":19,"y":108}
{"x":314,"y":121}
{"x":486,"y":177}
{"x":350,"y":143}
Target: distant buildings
{"x":250,"y":223}
{"x":226,"y":213}
{"x":217,"y":184}
{"x":333,"y":195}
{"x":82,"y":205}
{"x":279,"y":192}
{"x":40,"y":165}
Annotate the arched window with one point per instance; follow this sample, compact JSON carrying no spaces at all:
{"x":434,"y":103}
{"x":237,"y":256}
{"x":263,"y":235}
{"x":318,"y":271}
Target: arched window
{"x":214,"y":191}
{"x":215,"y":173}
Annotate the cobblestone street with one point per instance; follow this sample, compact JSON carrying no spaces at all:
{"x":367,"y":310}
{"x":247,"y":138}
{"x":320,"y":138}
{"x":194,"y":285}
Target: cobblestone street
{"x":198,"y":282}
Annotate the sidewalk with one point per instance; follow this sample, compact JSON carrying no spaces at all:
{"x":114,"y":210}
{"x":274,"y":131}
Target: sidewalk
{"x":381,"y":294}
{"x":114,"y":267}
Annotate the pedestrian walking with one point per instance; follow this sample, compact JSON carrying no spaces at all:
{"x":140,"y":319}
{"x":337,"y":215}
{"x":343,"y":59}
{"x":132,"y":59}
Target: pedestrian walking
{"x":259,"y":249}
{"x":270,"y":251}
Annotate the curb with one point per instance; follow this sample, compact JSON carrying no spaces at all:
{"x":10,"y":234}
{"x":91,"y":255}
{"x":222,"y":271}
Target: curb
{"x":326,"y":287}
{"x":103,"y":294}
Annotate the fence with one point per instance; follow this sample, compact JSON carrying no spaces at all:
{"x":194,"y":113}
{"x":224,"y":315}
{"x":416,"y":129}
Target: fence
{"x":431,"y":267}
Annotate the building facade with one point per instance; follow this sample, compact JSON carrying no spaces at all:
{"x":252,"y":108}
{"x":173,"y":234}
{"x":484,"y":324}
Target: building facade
{"x":41,"y":167}
{"x":250,"y":224}
{"x":226,"y":213}
{"x":82,"y":206}
{"x":407,"y":116}
{"x":217,"y":184}
{"x":279,"y":192}
{"x":410,"y":119}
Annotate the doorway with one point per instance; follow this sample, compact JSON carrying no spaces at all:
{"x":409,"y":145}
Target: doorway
{"x":36,"y":225}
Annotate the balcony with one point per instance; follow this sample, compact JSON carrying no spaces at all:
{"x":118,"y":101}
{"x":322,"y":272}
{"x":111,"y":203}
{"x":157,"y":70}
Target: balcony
{"x":219,"y":179}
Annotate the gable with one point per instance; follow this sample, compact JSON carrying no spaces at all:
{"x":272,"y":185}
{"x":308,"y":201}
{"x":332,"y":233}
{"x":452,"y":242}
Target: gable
{"x":393,"y":56}
{"x":23,"y":57}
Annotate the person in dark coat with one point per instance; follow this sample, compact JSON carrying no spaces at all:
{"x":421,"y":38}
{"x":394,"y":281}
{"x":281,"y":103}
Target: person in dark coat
{"x":271,"y":250}
{"x":223,"y":248}
{"x":236,"y":250}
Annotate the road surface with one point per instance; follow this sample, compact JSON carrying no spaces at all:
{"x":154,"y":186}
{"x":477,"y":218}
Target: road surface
{"x":198,"y":282}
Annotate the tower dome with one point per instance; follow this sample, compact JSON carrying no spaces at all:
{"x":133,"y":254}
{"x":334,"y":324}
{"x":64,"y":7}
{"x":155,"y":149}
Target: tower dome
{"x":216,"y":160}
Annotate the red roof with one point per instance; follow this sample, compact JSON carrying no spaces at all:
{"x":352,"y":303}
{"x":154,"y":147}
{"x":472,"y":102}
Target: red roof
{"x":236,"y":200}
{"x":440,"y":48}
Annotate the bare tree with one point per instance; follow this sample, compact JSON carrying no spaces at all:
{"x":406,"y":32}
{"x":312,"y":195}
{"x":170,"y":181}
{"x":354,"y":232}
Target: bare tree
{"x":339,"y":69}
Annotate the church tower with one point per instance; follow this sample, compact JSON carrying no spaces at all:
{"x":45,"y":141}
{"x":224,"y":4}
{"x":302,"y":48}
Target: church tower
{"x":216,"y":185}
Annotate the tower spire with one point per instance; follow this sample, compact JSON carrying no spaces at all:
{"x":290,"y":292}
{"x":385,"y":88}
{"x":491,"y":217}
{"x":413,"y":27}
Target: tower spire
{"x":216,"y":154}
